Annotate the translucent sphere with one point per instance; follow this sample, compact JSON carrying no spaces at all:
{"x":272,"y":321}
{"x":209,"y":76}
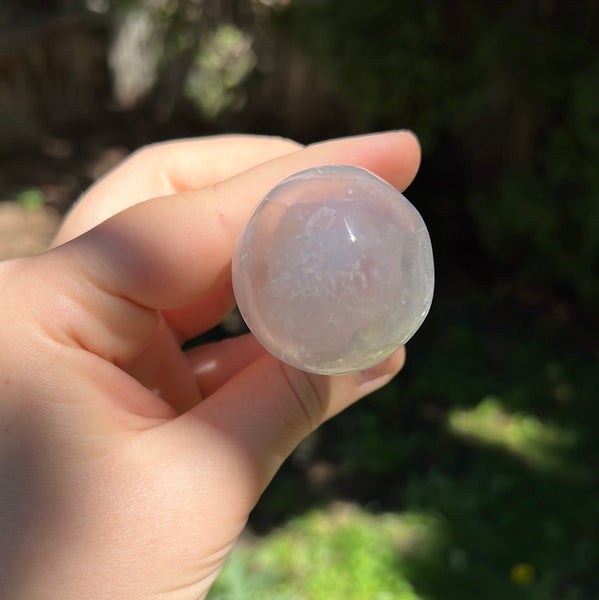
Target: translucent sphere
{"x":334,"y":271}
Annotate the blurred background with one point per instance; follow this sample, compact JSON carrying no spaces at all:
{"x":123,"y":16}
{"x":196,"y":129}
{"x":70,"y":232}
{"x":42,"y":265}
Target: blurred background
{"x":474,"y":474}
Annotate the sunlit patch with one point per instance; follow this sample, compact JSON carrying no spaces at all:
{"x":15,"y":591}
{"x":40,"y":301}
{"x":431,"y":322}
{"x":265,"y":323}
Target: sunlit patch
{"x":542,"y":445}
{"x":342,"y":552}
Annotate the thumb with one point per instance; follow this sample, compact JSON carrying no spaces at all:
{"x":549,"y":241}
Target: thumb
{"x":262,"y":414}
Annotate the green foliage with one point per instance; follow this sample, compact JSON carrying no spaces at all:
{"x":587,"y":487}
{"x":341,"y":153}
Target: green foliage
{"x":224,"y":60}
{"x":386,"y":65}
{"x":544,"y":221}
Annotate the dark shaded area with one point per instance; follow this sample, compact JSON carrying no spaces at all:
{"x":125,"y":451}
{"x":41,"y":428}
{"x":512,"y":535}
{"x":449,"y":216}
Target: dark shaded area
{"x":506,"y":101}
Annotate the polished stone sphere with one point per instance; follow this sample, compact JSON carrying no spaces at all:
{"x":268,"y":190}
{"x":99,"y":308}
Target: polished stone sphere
{"x":334,"y":271}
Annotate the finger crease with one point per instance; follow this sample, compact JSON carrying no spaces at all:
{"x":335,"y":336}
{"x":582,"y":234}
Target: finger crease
{"x":304,"y":400}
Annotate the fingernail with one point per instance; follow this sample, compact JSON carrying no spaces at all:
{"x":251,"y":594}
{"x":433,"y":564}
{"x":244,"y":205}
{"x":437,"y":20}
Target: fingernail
{"x":380,"y":371}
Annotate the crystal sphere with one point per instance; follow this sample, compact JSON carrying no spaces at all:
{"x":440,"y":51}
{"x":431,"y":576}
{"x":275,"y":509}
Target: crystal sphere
{"x":334,"y":270}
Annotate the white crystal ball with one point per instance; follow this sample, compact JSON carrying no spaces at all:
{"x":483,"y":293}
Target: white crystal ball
{"x":334,"y":271}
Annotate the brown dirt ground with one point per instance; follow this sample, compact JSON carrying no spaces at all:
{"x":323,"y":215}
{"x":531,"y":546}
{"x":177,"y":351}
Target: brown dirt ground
{"x":61,"y":174}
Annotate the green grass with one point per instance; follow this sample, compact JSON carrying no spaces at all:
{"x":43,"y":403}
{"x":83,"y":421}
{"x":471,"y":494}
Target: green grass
{"x":341,"y":553}
{"x":542,"y":445}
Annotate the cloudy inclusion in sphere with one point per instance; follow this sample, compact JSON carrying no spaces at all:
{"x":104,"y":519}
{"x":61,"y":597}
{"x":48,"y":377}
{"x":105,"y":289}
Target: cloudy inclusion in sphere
{"x":334,"y":271}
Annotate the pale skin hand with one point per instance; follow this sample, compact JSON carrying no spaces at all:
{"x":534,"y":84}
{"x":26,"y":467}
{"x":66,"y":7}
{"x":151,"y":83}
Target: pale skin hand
{"x":127,"y":467}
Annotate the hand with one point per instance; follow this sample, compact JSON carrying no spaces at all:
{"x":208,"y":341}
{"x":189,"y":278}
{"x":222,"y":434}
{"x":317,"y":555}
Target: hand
{"x":128,"y":467}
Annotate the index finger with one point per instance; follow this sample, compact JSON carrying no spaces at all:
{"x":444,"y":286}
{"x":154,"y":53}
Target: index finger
{"x":169,"y":168}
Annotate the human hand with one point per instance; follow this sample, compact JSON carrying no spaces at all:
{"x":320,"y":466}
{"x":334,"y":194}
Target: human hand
{"x":128,"y":466}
